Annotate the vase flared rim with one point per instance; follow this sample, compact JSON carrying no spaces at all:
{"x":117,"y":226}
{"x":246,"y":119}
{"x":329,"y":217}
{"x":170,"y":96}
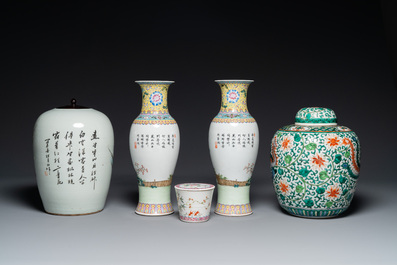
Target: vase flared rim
{"x":234,"y":81}
{"x":154,"y":82}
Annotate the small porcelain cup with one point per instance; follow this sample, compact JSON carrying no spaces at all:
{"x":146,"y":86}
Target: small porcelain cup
{"x":194,"y":201}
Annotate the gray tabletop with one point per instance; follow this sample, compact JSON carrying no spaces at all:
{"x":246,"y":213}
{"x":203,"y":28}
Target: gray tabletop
{"x":366,"y":234}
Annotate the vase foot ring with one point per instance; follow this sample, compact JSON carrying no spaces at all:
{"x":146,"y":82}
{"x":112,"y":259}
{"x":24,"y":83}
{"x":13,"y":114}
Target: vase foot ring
{"x":154,"y":209}
{"x":233,"y":209}
{"x":154,"y":214}
{"x":234,"y":215}
{"x":77,"y":214}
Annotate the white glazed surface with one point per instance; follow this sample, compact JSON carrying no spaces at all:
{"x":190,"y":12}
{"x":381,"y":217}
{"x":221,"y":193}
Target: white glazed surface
{"x":194,"y":204}
{"x":229,"y":161}
{"x":159,"y":162}
{"x":83,"y":185}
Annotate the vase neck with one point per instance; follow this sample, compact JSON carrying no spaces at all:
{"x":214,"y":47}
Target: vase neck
{"x":234,"y":96}
{"x":154,"y":97}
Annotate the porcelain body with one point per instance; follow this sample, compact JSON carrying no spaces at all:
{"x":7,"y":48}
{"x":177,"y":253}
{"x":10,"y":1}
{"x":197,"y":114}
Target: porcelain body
{"x":315,"y":164}
{"x":154,"y":146}
{"x":73,"y":157}
{"x":233,"y":143}
{"x":194,"y":201}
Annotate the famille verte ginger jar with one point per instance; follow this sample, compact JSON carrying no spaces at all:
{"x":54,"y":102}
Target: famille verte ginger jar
{"x":315,"y":164}
{"x":73,"y":157}
{"x":154,"y":147}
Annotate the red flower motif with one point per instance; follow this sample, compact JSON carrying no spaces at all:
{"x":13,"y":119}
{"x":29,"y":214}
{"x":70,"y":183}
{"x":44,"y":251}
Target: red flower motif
{"x":318,"y":160}
{"x":283,"y":187}
{"x":333,"y":192}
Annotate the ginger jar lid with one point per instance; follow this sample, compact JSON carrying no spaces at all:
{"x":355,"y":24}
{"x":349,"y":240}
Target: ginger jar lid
{"x":73,"y":105}
{"x":315,"y":116}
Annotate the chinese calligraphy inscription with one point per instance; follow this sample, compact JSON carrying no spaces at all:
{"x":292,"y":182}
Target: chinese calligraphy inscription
{"x":76,"y":162}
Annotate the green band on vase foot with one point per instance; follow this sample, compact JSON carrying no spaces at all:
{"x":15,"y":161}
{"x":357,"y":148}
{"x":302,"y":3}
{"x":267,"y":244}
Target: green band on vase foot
{"x":233,"y":201}
{"x":233,"y":195}
{"x":154,"y":201}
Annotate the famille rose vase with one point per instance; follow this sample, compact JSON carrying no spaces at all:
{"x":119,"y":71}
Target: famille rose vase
{"x":154,"y":146}
{"x":315,"y":164}
{"x":73,"y":157}
{"x":233,"y":143}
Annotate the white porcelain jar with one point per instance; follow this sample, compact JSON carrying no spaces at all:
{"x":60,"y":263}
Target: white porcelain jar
{"x":73,"y":157}
{"x":154,"y":146}
{"x":233,"y":143}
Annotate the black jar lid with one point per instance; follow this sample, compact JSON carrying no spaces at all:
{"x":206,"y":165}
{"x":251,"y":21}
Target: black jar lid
{"x":73,"y":105}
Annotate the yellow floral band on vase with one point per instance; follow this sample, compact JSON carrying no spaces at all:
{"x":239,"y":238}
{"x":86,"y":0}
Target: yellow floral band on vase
{"x":154,"y":97}
{"x":154,"y":103}
{"x":234,"y":102}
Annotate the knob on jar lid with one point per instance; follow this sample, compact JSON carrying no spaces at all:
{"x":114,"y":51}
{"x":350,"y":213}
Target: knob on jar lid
{"x":315,"y":116}
{"x":73,"y":105}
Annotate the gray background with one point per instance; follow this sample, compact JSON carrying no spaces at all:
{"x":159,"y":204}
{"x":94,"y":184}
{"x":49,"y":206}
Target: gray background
{"x":333,"y":54}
